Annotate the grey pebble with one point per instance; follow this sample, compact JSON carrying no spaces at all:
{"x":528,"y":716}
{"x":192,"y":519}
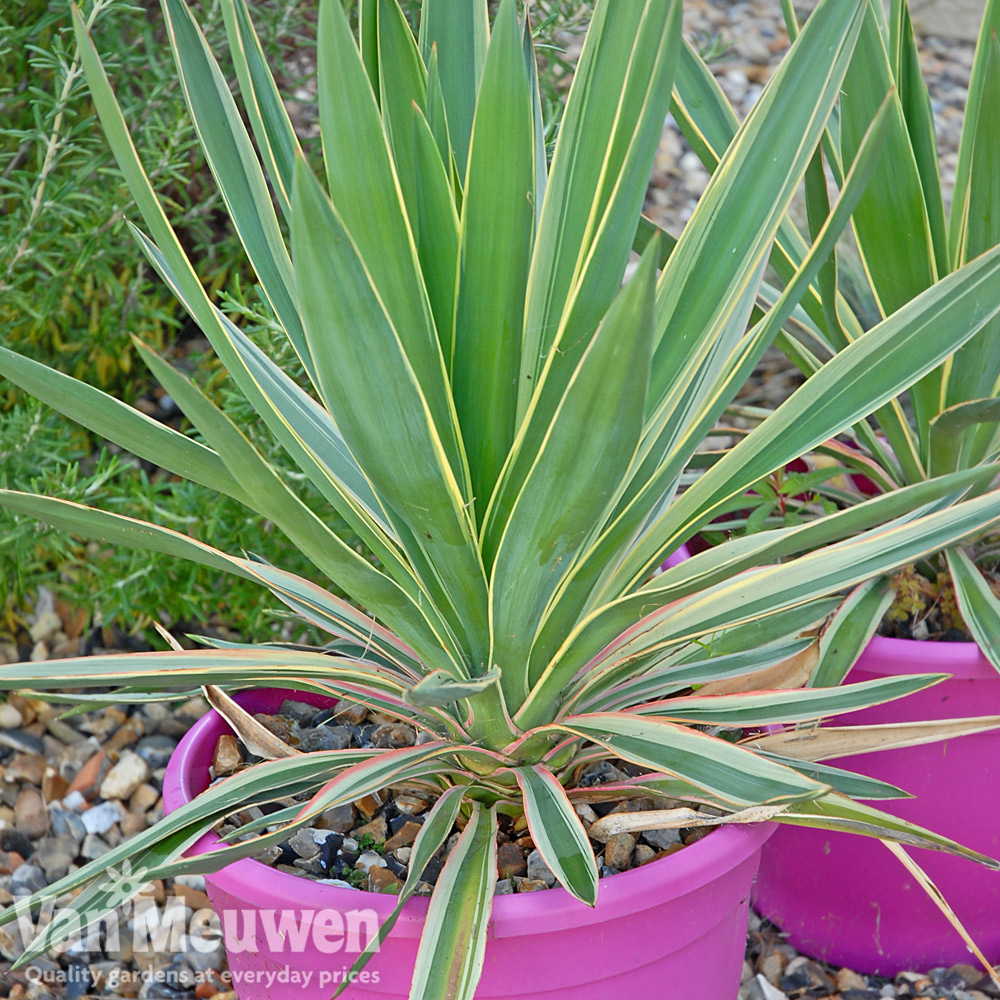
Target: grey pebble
{"x":100,"y":818}
{"x":539,"y":870}
{"x":303,"y":843}
{"x":54,"y":855}
{"x":326,"y":738}
{"x":156,"y":750}
{"x":27,"y":878}
{"x":93,"y":847}
{"x":370,"y":860}
{"x":18,"y":739}
{"x":662,"y":839}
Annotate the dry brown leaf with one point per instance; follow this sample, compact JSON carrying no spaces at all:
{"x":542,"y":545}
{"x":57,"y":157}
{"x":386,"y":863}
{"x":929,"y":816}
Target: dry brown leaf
{"x":937,"y":898}
{"x":168,"y":638}
{"x":257,"y":738}
{"x":821,"y":743}
{"x":662,"y":819}
{"x":791,"y":673}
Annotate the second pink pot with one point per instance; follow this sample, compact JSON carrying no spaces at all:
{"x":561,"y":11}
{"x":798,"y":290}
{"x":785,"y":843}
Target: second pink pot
{"x":845,"y":898}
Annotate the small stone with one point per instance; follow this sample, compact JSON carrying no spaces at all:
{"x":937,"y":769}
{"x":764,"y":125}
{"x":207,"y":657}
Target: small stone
{"x":804,"y":974}
{"x":193,"y":709}
{"x":969,"y":974}
{"x":27,"y":879}
{"x":511,"y":862}
{"x":618,"y":851}
{"x":74,"y":801}
{"x":90,"y":777}
{"x":67,"y":823}
{"x":207,"y":988}
{"x":329,"y":848}
{"x":104,"y":972}
{"x":46,"y":626}
{"x":65,"y":733}
{"x":340,"y":819}
{"x":20,"y":739}
{"x":304,"y":844}
{"x":227,"y":756}
{"x":54,"y":856}
{"x":155,"y":990}
{"x":760,"y":989}
{"x":642,"y":855}
{"x":311,"y":866}
{"x":383,"y":880}
{"x":13,"y":840}
{"x":277,"y":725}
{"x":156,"y":750}
{"x":539,"y":870}
{"x":432,"y":871}
{"x":10,"y":717}
{"x":586,"y":814}
{"x":268,"y":855}
{"x":411,"y":805}
{"x":77,"y":980}
{"x":28,"y":767}
{"x":370,"y":860}
{"x":54,"y":785}
{"x":394,"y":735}
{"x":103,"y":725}
{"x":326,"y":738}
{"x":30,"y":815}
{"x":503,"y":887}
{"x":143,"y":798}
{"x":338,"y":882}
{"x":772,"y":965}
{"x":133,"y":823}
{"x":402,"y":855}
{"x":398,"y":822}
{"x":529,"y":885}
{"x":404,"y":836}
{"x":93,"y":847}
{"x":10,"y":861}
{"x":127,"y":735}
{"x":125,"y":777}
{"x":847,"y":979}
{"x":298,"y":711}
{"x":662,"y":839}
{"x":369,"y":805}
{"x":377,"y":829}
{"x":210,"y":954}
{"x":600,"y":773}
{"x":193,"y":897}
{"x":100,"y":818}
{"x":349,"y":713}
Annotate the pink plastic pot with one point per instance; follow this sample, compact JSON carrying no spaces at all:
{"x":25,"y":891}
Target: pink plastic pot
{"x":845,"y":898}
{"x":676,"y":926}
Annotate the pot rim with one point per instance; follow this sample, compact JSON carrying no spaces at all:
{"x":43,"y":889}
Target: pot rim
{"x":963,"y":660}
{"x":699,"y":864}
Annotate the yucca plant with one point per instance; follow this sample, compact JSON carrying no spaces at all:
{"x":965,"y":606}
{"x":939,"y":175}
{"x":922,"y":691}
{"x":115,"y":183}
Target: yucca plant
{"x":908,"y":243}
{"x":505,"y":428}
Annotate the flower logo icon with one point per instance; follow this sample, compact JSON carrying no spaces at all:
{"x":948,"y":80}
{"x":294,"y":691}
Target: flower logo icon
{"x":123,"y":885}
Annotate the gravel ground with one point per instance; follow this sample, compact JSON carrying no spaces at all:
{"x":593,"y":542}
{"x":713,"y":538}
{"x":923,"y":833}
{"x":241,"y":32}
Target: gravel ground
{"x":71,"y":791}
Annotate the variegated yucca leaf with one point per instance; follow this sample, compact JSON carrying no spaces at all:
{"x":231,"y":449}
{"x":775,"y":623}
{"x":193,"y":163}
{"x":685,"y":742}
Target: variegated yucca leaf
{"x":503,"y":420}
{"x":910,"y":244}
